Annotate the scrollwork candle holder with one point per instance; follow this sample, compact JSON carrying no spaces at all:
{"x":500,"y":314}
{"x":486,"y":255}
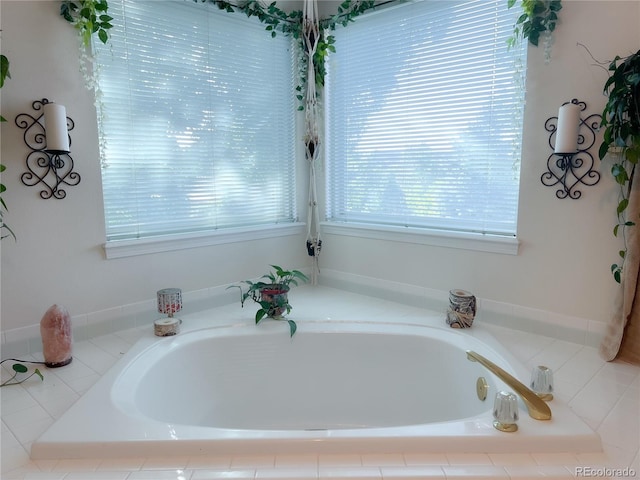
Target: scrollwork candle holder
{"x":49,"y":163}
{"x":568,"y":169}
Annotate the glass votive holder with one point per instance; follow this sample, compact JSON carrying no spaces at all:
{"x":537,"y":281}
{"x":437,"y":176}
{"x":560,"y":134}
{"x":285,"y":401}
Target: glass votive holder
{"x":542,"y":382}
{"x":505,"y":412}
{"x":169,"y":301}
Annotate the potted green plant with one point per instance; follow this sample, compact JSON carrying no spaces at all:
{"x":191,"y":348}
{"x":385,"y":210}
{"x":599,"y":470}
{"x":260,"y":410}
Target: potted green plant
{"x":271,"y":292}
{"x":621,"y":138}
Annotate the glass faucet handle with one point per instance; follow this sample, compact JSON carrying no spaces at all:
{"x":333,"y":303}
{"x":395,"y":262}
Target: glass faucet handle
{"x":505,"y":412}
{"x":542,"y":382}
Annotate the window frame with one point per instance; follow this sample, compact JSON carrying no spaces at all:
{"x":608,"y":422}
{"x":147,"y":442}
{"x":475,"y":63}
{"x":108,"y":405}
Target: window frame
{"x":502,"y":243}
{"x":131,"y":246}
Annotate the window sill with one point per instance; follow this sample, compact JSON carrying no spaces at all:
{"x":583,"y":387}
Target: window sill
{"x":166,"y":243}
{"x":439,"y":238}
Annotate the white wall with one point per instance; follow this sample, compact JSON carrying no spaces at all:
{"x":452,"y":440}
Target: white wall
{"x":566,"y":250}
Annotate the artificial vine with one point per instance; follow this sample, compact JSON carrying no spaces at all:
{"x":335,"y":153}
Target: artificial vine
{"x":277,"y":20}
{"x":621,"y":120}
{"x":4,"y":74}
{"x":89,"y":17}
{"x":19,"y":370}
{"x":538,"y":19}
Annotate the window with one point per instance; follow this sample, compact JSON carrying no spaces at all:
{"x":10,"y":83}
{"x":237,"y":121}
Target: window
{"x":424,"y":119}
{"x":197,"y":121}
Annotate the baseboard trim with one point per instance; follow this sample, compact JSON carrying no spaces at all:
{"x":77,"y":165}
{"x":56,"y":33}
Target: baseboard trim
{"x":527,"y":319}
{"x":26,"y":340}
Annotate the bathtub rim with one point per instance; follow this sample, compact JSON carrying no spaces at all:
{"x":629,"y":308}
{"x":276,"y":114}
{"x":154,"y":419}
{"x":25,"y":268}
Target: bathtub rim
{"x":404,"y":439}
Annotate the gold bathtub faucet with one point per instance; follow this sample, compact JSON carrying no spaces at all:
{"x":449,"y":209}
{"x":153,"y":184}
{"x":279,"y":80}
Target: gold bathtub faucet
{"x":537,"y":407}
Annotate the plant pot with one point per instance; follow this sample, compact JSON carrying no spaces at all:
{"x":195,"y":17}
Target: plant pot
{"x":277,"y":297}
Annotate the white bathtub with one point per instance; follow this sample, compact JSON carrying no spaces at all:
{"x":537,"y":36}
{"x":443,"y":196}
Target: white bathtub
{"x":360,"y":387}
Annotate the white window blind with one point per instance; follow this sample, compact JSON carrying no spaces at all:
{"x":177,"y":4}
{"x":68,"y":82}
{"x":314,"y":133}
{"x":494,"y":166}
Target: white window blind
{"x":424,"y":118}
{"x":197,"y":121}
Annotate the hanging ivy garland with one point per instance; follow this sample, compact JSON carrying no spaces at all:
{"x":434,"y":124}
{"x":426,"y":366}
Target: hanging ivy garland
{"x":90,"y":17}
{"x":291,"y":24}
{"x":539,"y":18}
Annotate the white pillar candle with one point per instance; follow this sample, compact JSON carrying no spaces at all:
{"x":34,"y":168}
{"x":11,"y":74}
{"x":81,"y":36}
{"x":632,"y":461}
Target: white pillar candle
{"x":55,"y":124}
{"x":568,"y":126}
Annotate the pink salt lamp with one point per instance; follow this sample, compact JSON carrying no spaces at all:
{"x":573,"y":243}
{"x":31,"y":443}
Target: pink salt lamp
{"x":55,"y":330}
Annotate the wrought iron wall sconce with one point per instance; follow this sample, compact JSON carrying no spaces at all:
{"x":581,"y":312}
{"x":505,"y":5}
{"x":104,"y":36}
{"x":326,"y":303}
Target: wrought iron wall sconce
{"x":571,"y":137}
{"x":46,"y":133}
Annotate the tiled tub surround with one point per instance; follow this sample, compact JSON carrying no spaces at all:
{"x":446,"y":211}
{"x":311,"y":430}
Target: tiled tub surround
{"x":337,"y":387}
{"x":605,"y":395}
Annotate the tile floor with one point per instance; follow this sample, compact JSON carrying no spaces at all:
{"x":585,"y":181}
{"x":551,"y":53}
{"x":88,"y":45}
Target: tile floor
{"x":605,"y":395}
